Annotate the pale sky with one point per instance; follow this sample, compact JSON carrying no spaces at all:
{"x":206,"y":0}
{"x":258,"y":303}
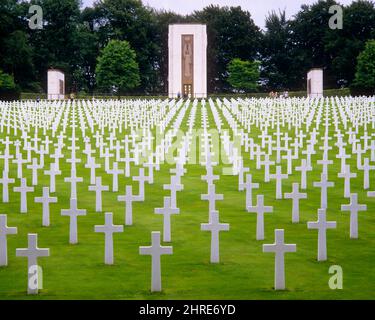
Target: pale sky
{"x":259,"y":9}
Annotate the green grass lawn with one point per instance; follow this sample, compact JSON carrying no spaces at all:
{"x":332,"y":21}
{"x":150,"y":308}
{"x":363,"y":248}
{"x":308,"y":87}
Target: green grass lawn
{"x":245,"y":272}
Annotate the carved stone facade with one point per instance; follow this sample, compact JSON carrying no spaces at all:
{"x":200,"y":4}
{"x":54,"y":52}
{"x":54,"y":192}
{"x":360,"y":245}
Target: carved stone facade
{"x":187,"y":65}
{"x":56,"y":84}
{"x":187,"y":61}
{"x":315,"y":83}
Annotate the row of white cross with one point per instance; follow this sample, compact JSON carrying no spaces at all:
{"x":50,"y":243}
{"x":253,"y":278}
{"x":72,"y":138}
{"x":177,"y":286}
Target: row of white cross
{"x":241,"y":116}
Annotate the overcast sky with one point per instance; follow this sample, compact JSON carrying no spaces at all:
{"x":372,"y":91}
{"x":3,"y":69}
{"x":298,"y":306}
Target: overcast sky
{"x":258,"y":8}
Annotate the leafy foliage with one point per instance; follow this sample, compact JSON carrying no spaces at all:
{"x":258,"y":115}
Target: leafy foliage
{"x":365,"y":75}
{"x":72,"y":38}
{"x":243,"y":75}
{"x":276,"y":58}
{"x":6,"y":81}
{"x":232,"y":34}
{"x":346,"y":44}
{"x":117,"y":69}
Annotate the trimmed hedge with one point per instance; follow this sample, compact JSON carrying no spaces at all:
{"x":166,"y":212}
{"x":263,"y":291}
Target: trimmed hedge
{"x":327,"y":93}
{"x":9,"y":95}
{"x":337,"y":92}
{"x":361,"y":92}
{"x":297,"y":94}
{"x":32,"y":96}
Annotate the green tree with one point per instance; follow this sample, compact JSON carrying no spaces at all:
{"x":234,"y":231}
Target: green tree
{"x":15,"y":47}
{"x":306,"y":41}
{"x":365,"y":75}
{"x":232,"y":34}
{"x":309,"y":31}
{"x":346,"y":44}
{"x":58,"y":44}
{"x":243,"y":75}
{"x":18,"y":60}
{"x":117,"y":69}
{"x":6,"y":81}
{"x":89,"y":39}
{"x":8,"y":89}
{"x":276,"y":59}
{"x":131,"y":21}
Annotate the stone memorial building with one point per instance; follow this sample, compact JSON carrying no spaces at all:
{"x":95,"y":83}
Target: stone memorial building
{"x":187,"y":60}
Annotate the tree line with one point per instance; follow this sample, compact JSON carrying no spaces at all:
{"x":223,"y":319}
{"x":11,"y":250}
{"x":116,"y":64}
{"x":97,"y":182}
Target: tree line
{"x":73,"y":38}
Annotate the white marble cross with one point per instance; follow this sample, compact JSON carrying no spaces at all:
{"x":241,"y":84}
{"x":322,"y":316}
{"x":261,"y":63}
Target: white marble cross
{"x":4,"y":231}
{"x":372,"y":149}
{"x":212,"y":197}
{"x":73,"y":179}
{"x":6,"y":156}
{"x":19,"y":161}
{"x":366,"y":173}
{"x":289,"y":157}
{"x":151,"y":166}
{"x":73,"y":213}
{"x":322,"y":225}
{"x":258,"y":154}
{"x":107,"y":157}
{"x":323,"y":184}
{"x":98,"y":188}
{"x":34,"y":167}
{"x":296,"y":196}
{"x":304,"y":168}
{"x":167,"y":211}
{"x":325,"y":162}
{"x":52,"y":173}
{"x":92,"y":166}
{"x":128,"y":198}
{"x":88,"y":151}
{"x":57,"y":155}
{"x":109,"y":229}
{"x":249,"y":186}
{"x":267,"y":163}
{"x":279,"y":177}
{"x":115,"y":172}
{"x":354,"y":208}
{"x":5,"y":181}
{"x":210,"y":177}
{"x":45,"y":200}
{"x":174,"y":186}
{"x":343,"y":156}
{"x":260,"y":210}
{"x":155,"y":251}
{"x":127,"y":161}
{"x":73,"y":160}
{"x":278,"y":147}
{"x":214,"y":226}
{"x":347,"y":175}
{"x":141,"y":179}
{"x":359,"y":151}
{"x":179,"y":170}
{"x":32,"y":253}
{"x":23,"y":189}
{"x":241,"y":171}
{"x":279,"y":248}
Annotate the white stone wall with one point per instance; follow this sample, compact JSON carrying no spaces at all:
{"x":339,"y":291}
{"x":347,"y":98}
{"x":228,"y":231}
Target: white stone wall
{"x":54,"y":77}
{"x":200,"y":58}
{"x":316,"y":77}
